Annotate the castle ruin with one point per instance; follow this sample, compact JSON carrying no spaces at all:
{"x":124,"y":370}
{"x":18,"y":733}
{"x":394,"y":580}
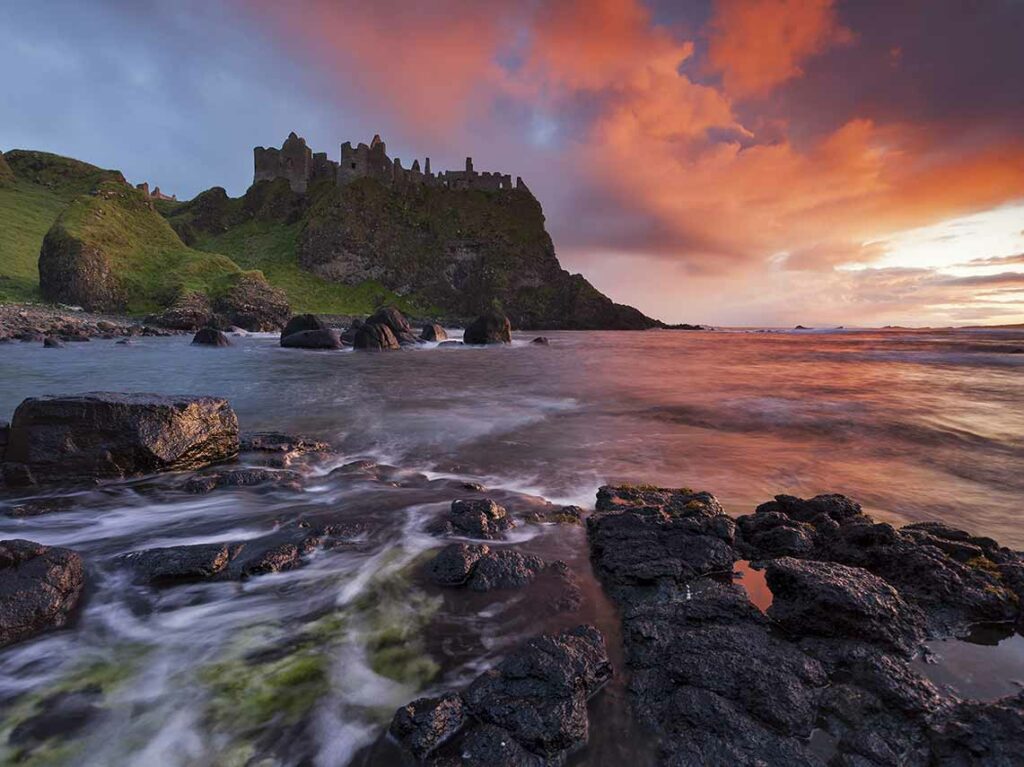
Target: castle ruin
{"x":156,"y":194}
{"x":297,"y":163}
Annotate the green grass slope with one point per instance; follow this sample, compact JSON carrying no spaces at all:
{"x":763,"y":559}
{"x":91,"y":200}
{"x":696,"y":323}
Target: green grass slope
{"x":261,"y":231}
{"x":34,"y":188}
{"x":143,"y":263}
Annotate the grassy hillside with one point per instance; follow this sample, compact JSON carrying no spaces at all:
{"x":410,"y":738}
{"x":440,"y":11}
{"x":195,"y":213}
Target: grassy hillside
{"x":34,"y":188}
{"x":148,"y":262}
{"x":261,"y":231}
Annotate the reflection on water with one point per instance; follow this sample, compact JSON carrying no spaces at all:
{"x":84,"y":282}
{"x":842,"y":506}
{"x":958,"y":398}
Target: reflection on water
{"x":915,"y":425}
{"x":965,"y":665}
{"x":754,"y":583}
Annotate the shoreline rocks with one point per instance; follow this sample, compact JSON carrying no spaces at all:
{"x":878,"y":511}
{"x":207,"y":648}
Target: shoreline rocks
{"x":530,"y":709}
{"x":40,"y":587}
{"x":100,"y":435}
{"x":716,"y":681}
{"x":489,"y":328}
{"x":210,"y":337}
{"x":478,"y":518}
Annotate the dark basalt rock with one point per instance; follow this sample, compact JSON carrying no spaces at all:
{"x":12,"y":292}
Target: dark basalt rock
{"x":976,"y":733}
{"x":480,"y":518}
{"x":425,"y":724}
{"x":395,"y":321}
{"x":454,"y":563}
{"x":52,"y":343}
{"x":528,"y":711}
{"x":434,"y":332}
{"x":253,"y":305}
{"x":262,"y":478}
{"x":210,"y":337}
{"x":953,"y":577}
{"x":301,"y":322}
{"x":479,"y":567}
{"x":490,"y":328}
{"x":710,"y":675}
{"x":826,"y":599}
{"x":718,"y":682}
{"x":40,"y":586}
{"x":504,"y":569}
{"x":349,"y":336}
{"x":190,"y":311}
{"x":638,"y":545}
{"x":374,"y":337}
{"x":488,"y":746}
{"x":287,"y":444}
{"x":313,"y":339}
{"x":103,"y":434}
{"x":284,"y":549}
{"x":179,"y":563}
{"x":558,"y":515}
{"x":539,"y":693}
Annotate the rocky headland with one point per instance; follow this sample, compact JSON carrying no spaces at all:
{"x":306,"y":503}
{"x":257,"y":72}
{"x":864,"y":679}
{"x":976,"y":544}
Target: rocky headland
{"x":310,"y":234}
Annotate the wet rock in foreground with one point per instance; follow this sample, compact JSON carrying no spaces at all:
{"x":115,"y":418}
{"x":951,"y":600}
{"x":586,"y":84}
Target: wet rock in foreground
{"x":40,"y":586}
{"x":531,"y":709}
{"x":717,"y":682}
{"x":479,"y":567}
{"x":284,"y":549}
{"x":826,"y":599}
{"x":479,"y":518}
{"x":490,"y":328}
{"x":424,"y":725}
{"x":313,"y":339}
{"x":258,"y":478}
{"x":85,"y":437}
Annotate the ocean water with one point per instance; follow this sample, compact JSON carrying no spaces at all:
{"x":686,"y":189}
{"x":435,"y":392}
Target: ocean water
{"x":916,"y":425}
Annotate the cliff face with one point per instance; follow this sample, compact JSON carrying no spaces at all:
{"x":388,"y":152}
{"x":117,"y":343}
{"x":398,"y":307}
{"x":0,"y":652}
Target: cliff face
{"x":459,"y":252}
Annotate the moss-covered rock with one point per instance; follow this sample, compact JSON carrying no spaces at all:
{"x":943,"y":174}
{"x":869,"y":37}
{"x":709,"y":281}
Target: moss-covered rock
{"x":111,"y":251}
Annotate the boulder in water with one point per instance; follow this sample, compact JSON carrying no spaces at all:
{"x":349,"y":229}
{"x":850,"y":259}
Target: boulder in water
{"x":376,"y":338}
{"x":489,"y":328}
{"x":85,"y":437}
{"x":540,"y":341}
{"x":301,"y":322}
{"x":313,"y":339}
{"x":434,"y":332}
{"x":424,"y":725}
{"x":39,"y":588}
{"x":210,"y":337}
{"x":479,"y":518}
{"x":395,"y":321}
{"x":52,"y":343}
{"x":528,"y":711}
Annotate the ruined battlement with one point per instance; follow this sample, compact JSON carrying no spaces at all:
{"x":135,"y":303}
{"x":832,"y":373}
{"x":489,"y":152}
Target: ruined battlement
{"x":295,"y":162}
{"x":156,"y":194}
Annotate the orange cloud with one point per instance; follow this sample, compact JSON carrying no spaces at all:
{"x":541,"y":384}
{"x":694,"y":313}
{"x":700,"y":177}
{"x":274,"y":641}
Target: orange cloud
{"x":423,"y":63}
{"x":758,"y":44}
{"x":695,"y":181}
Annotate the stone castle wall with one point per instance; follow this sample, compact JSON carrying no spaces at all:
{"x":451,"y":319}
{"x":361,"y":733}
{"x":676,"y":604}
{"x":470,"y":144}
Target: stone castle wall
{"x":295,"y":162}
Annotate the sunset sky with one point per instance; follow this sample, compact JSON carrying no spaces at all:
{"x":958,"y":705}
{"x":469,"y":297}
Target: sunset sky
{"x":766,"y":162}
